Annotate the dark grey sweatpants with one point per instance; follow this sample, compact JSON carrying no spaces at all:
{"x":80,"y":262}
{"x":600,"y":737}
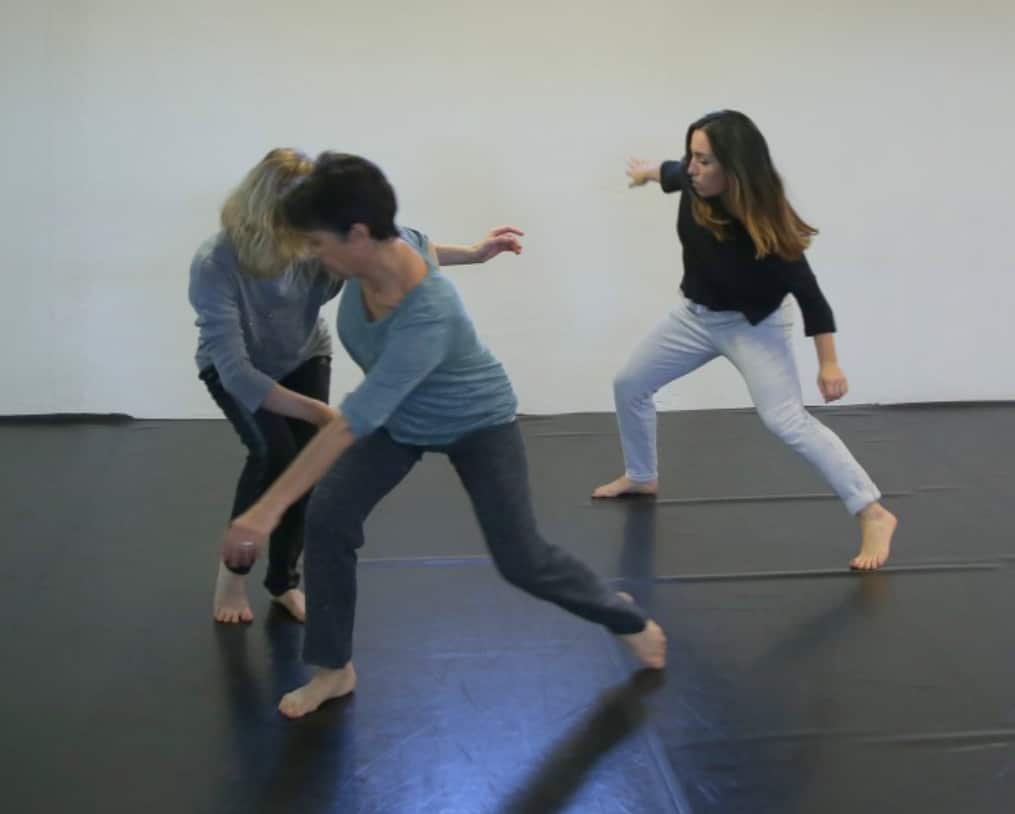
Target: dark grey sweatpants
{"x":492,"y":466}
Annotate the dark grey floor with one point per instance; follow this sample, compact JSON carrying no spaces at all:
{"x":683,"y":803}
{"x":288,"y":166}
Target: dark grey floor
{"x":793,"y":686}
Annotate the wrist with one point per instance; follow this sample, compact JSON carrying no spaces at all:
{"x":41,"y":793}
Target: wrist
{"x":323,"y":413}
{"x":264,"y":515}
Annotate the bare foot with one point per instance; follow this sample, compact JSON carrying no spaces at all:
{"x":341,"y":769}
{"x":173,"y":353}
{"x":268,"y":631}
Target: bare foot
{"x":231,"y":603}
{"x":324,"y":686}
{"x":293,"y":601}
{"x":648,"y":646}
{"x":625,"y":486}
{"x":877,"y":525}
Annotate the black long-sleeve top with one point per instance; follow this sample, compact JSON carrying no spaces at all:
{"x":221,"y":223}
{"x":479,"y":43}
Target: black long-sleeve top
{"x":725,"y":275}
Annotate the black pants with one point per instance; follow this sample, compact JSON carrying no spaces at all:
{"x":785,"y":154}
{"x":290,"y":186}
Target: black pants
{"x":491,"y":465}
{"x":272,"y":441}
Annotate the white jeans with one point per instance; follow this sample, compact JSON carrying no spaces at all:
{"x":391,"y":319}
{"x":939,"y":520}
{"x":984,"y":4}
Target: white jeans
{"x":691,"y":335}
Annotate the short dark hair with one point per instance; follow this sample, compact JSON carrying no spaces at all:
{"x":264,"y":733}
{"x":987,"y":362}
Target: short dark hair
{"x":342,"y":190}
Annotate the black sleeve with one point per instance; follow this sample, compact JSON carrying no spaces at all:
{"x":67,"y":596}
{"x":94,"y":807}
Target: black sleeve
{"x":672,"y":177}
{"x":803,"y":285}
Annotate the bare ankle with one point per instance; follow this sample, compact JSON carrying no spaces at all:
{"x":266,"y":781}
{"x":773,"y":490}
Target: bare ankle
{"x":872,"y":511}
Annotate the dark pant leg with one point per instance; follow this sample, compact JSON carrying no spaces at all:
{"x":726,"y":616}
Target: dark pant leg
{"x":492,"y":466}
{"x":271,"y":447}
{"x":338,"y":508}
{"x":311,"y":379}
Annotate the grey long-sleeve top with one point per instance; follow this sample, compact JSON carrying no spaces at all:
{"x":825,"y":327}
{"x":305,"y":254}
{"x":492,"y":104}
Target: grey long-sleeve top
{"x":256,"y":331}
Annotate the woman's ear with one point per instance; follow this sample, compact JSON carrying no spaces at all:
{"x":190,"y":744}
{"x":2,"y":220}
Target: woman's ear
{"x":358,"y":233}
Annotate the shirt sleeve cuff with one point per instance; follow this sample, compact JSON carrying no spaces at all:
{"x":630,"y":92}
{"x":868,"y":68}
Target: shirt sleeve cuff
{"x":251,"y":391}
{"x":822,"y":325}
{"x":359,"y":423}
{"x":671,"y":175}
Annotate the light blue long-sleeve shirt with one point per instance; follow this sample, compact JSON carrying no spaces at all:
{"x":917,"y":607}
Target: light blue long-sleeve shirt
{"x":428,"y":378}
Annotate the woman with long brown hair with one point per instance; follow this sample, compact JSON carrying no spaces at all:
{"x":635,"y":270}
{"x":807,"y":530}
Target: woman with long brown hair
{"x":743,"y":250}
{"x":264,"y":352}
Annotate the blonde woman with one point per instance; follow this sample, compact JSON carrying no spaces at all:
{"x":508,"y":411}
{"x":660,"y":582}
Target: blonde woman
{"x":430,"y":385}
{"x":264,"y":353}
{"x":743,"y":250}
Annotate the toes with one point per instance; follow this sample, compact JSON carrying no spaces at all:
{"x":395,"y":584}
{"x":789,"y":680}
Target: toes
{"x":867,"y":562}
{"x":231,"y":616}
{"x":290,"y":706}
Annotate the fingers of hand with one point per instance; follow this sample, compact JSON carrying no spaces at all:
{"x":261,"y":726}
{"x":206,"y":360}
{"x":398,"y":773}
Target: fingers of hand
{"x":506,"y":230}
{"x":507,"y":243}
{"x":240,"y":555}
{"x":833,"y":389}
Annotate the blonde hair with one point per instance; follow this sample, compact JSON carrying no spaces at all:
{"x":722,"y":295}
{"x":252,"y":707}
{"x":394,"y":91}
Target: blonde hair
{"x":252,"y":219}
{"x":754,"y":190}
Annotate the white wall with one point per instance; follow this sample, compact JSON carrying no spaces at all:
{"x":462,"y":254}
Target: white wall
{"x":126,"y":123}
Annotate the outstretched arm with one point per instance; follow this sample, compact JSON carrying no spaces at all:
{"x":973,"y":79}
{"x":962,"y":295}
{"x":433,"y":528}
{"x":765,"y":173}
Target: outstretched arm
{"x":501,"y":239}
{"x":640,"y":171}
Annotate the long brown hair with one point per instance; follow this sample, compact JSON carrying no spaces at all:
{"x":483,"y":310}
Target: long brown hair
{"x":754,"y":192}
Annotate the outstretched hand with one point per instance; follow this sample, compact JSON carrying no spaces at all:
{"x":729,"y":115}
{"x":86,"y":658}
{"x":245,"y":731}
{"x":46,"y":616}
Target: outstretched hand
{"x":640,"y":171}
{"x":501,"y":239}
{"x":832,"y":382}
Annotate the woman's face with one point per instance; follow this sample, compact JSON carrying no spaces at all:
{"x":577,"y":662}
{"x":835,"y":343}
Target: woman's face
{"x":331,"y":250}
{"x":707,"y":175}
{"x":346,"y":256}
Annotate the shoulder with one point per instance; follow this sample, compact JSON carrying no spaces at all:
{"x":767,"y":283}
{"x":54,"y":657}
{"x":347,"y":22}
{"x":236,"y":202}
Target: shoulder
{"x":415,"y":238}
{"x":439,"y":290}
{"x":214,"y":257}
{"x":777,"y":261}
{"x":435,"y":300}
{"x":213,"y":271}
